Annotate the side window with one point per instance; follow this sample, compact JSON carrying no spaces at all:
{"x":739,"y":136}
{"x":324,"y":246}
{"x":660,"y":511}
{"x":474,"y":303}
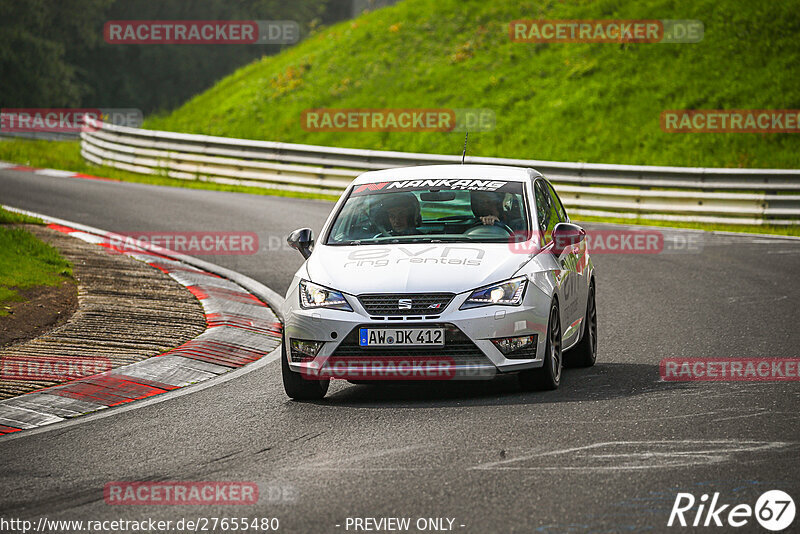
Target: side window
{"x":545,"y":213}
{"x":557,"y":205}
{"x":353,"y":223}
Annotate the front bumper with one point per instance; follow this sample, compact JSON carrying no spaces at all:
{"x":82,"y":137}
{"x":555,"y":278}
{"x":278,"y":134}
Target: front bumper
{"x":468,"y":352}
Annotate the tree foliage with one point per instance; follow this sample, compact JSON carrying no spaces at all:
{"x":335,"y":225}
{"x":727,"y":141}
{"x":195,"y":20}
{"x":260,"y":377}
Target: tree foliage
{"x":52,"y":52}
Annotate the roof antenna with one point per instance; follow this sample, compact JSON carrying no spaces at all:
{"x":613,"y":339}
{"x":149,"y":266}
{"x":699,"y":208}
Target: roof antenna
{"x":464,"y":154}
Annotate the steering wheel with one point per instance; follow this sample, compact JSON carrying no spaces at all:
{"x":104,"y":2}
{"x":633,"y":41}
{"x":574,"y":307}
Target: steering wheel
{"x":488,"y":230}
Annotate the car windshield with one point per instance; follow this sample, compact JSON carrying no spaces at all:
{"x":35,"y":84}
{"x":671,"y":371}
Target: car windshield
{"x":431,"y":211}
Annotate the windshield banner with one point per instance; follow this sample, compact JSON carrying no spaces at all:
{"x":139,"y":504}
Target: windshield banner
{"x":451,"y":183}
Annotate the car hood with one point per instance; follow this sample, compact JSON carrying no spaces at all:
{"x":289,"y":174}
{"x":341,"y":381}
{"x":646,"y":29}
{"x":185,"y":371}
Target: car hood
{"x":412,"y":268}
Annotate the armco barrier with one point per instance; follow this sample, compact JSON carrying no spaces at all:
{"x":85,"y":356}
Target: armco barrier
{"x":692,"y":194}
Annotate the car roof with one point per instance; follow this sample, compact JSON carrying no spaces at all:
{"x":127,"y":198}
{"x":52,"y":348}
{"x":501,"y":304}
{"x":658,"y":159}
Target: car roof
{"x":422,"y":172}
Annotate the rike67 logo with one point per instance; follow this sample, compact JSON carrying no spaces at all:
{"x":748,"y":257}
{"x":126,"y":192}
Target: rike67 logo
{"x":774,"y":510}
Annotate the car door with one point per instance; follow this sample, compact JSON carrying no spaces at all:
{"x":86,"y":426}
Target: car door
{"x":550,"y":212}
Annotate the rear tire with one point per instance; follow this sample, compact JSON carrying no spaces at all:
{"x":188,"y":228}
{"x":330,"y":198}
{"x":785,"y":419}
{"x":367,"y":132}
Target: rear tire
{"x":548,"y":376}
{"x":584,"y":354}
{"x":296,"y":386}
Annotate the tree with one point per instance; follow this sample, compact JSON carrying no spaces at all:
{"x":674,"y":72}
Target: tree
{"x":53,"y":53}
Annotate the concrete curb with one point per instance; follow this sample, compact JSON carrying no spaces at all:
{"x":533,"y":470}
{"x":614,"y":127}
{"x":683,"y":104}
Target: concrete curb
{"x":273,"y":299}
{"x":241,"y":330}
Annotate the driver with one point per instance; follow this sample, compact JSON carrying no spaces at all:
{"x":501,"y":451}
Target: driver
{"x":403,"y":213}
{"x":488,"y":207}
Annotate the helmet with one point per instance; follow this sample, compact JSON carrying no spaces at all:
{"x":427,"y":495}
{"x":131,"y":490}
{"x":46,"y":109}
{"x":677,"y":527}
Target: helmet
{"x":476,"y":197}
{"x":400,"y":200}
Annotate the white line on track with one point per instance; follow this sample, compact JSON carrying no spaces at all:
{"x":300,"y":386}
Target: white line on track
{"x":637,"y":455}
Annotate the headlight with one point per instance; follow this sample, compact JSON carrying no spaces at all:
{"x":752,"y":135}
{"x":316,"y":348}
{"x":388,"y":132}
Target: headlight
{"x":315,"y":296}
{"x":504,"y":294}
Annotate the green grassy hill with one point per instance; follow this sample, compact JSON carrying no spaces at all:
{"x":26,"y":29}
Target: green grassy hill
{"x":567,"y":102}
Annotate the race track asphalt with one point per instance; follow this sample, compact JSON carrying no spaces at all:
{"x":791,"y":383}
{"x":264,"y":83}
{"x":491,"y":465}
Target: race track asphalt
{"x":607,"y":452}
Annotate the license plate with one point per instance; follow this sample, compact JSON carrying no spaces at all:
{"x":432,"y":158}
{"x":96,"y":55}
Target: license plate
{"x":400,"y":337}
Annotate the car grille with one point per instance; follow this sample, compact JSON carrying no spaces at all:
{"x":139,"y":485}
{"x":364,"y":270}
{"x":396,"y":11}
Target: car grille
{"x":457,"y":347}
{"x":421,"y":303}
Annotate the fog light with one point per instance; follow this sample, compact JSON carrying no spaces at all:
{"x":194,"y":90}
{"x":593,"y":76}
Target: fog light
{"x":305,"y":350}
{"x":521,"y":347}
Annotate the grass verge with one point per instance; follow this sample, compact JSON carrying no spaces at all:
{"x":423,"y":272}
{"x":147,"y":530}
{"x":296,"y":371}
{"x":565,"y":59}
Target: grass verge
{"x":10,"y":217}
{"x":591,"y":102}
{"x":26,"y":261}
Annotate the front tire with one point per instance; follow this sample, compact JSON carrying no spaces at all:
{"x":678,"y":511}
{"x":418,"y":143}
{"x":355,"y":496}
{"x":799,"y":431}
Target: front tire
{"x":297,"y":387}
{"x":585,"y":352}
{"x":548,"y":376}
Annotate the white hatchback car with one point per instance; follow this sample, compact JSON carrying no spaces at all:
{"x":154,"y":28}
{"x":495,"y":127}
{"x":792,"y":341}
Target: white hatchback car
{"x":436,"y":273}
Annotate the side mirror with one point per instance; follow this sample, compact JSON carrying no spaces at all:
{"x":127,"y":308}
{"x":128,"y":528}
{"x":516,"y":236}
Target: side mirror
{"x":302,"y":239}
{"x":567,"y":235}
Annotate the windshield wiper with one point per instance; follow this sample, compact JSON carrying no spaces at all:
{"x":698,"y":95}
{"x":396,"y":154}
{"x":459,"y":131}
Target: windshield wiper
{"x":449,"y":239}
{"x":429,"y":239}
{"x":417,"y":239}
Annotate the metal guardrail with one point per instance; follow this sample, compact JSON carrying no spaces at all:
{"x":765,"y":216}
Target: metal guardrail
{"x":734,"y":196}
